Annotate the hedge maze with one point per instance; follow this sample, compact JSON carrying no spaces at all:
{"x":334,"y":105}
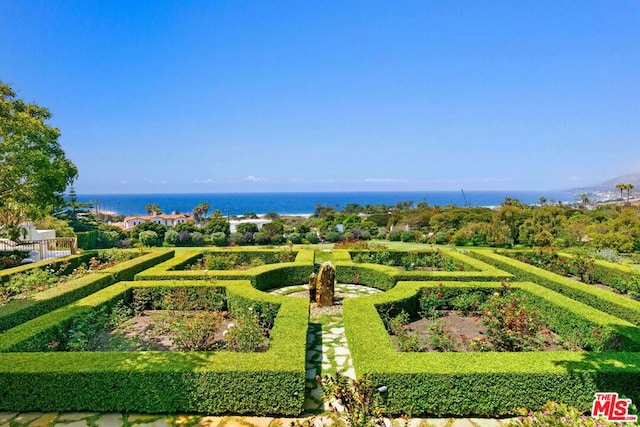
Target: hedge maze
{"x":432,"y":383}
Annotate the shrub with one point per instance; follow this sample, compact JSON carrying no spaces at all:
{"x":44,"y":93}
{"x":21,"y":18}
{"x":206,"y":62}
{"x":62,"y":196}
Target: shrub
{"x":311,"y":237}
{"x":260,"y":238}
{"x":245,"y":336}
{"x":408,"y":236}
{"x":218,"y":238}
{"x":332,"y":237}
{"x":171,"y":237}
{"x":148,"y":238}
{"x":440,"y":238}
{"x":237,"y":239}
{"x":440,"y":338}
{"x":513,"y":325}
{"x":363,"y":406}
{"x":295,"y":238}
{"x":395,"y":236}
{"x":197,"y":238}
{"x":194,"y":331}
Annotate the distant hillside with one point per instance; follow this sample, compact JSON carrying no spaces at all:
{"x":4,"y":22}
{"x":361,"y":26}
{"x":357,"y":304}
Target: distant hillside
{"x":631,"y":178}
{"x":607,"y":191}
{"x":610,"y":184}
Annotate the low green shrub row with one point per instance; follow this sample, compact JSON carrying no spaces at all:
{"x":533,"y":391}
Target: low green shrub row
{"x":622,"y":278}
{"x":64,"y":265}
{"x":263,"y":277}
{"x":385,"y":277}
{"x":491,"y":383}
{"x":19,"y":311}
{"x":411,"y":260}
{"x":221,"y":382}
{"x":602,"y":299}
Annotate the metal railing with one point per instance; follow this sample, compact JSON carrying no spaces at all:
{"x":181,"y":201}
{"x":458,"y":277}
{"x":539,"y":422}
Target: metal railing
{"x":46,"y":249}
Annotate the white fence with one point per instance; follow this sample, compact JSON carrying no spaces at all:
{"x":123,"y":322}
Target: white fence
{"x":42,"y":249}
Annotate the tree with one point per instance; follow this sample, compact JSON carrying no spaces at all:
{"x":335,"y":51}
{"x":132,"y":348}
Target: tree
{"x":620,"y":186}
{"x":34,"y":171}
{"x":153,"y":209}
{"x":200,"y":211}
{"x":628,"y":187}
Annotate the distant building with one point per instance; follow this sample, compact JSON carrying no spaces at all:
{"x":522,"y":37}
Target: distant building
{"x":233,"y":224}
{"x":164,"y":219}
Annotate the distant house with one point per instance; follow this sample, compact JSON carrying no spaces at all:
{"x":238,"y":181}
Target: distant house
{"x":164,"y":219}
{"x":233,"y":224}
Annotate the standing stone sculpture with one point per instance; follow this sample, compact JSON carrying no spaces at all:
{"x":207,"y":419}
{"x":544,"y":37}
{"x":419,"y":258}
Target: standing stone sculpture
{"x":325,"y":285}
{"x":312,"y":287}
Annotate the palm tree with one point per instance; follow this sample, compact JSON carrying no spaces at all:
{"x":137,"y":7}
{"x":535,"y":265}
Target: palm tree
{"x":628,"y":187}
{"x":620,"y":186}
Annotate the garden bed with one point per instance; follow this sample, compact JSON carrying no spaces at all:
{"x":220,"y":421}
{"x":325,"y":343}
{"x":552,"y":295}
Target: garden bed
{"x":224,"y":261}
{"x":454,"y":331}
{"x":411,"y":261}
{"x":25,"y":284}
{"x":180,"y":319}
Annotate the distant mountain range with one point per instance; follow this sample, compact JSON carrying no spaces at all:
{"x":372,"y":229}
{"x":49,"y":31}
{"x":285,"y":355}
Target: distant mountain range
{"x":607,"y":190}
{"x":610,"y":184}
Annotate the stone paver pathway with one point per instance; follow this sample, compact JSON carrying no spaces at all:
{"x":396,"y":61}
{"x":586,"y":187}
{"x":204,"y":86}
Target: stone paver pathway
{"x":72,"y":419}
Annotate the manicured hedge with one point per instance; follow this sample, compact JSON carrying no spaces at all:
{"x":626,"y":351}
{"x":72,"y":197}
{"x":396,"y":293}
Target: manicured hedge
{"x":602,"y":299}
{"x":221,"y":382}
{"x":385,"y":277}
{"x":70,"y":263}
{"x":617,"y":276}
{"x":397,"y":256}
{"x":484,"y":384}
{"x":18,"y":311}
{"x":263,"y":277}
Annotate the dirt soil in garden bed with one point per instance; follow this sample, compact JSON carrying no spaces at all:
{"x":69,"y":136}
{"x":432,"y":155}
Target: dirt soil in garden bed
{"x":144,"y":333}
{"x":466,"y":328}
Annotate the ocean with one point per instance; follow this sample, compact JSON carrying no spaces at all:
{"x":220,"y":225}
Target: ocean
{"x":305,"y":203}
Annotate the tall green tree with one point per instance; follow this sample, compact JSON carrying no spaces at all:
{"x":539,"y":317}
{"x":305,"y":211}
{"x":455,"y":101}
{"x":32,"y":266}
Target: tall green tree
{"x":621,"y":186}
{"x":34,"y":170}
{"x":200,"y":211}
{"x":153,"y":208}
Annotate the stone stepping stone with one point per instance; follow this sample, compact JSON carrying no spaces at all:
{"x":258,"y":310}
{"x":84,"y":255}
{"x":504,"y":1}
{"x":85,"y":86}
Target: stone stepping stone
{"x":210,"y":421}
{"x":110,"y":420}
{"x":156,"y":423}
{"x":342,"y":351}
{"x":79,"y":423}
{"x":74,"y":416}
{"x":341,"y":360}
{"x":5,"y":417}
{"x":27,"y":417}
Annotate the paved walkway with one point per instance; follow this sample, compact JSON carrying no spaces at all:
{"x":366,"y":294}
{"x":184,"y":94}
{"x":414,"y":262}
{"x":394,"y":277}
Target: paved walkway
{"x":327,"y":353}
{"x":73,"y":419}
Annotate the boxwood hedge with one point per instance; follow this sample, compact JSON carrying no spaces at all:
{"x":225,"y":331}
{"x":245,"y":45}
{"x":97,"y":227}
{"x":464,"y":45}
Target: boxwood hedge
{"x":69,"y":263}
{"x":158,"y":382}
{"x":385,"y":277}
{"x":18,"y":311}
{"x":493,"y":383}
{"x":602,"y":299}
{"x":263,"y":277}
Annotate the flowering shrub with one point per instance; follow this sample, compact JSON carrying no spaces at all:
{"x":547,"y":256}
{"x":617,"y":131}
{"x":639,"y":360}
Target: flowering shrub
{"x":362,"y":403}
{"x":512,"y":324}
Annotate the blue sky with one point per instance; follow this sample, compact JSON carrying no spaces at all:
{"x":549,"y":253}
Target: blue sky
{"x":215,"y":96}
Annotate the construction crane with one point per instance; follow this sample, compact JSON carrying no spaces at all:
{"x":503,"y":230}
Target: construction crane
{"x":466,"y":203}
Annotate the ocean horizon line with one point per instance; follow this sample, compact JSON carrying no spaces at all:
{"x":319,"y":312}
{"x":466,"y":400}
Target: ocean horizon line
{"x":304,"y":203}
